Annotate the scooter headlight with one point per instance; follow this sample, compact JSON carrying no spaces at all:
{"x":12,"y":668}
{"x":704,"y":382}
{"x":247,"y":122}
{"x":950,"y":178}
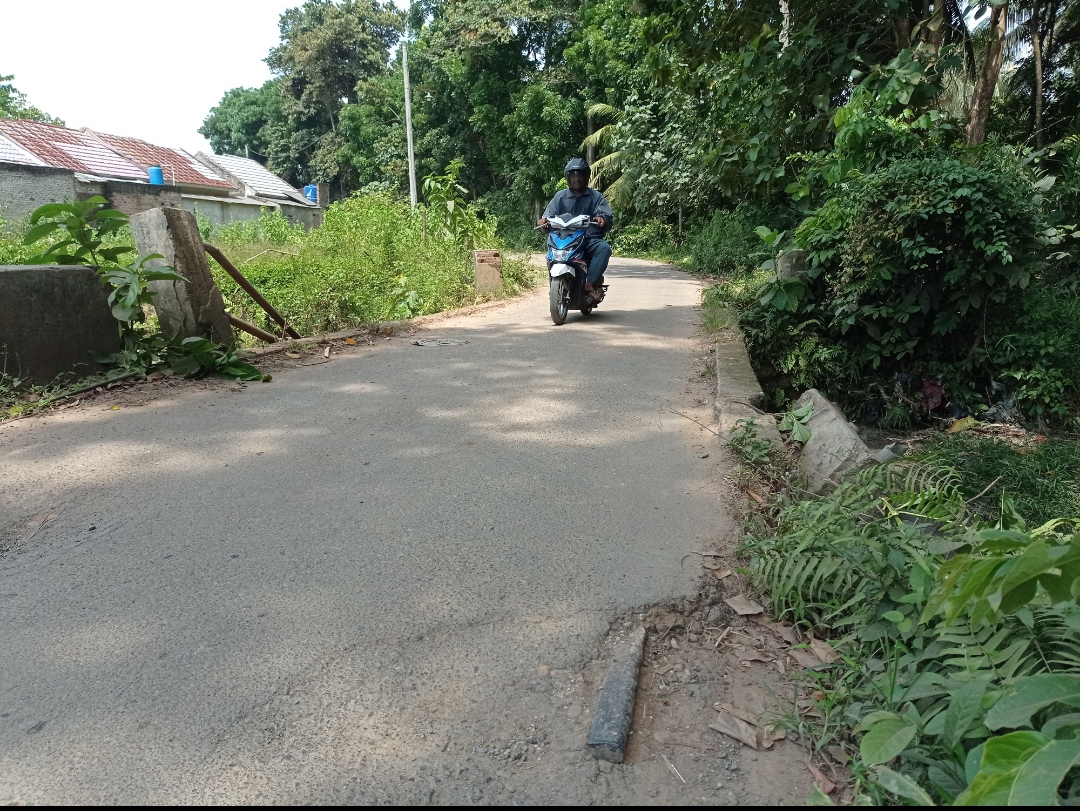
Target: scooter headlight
{"x":560,"y":256}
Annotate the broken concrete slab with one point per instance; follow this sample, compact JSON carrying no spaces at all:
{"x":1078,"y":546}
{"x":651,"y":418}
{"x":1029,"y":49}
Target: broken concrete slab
{"x":615,"y":704}
{"x":194,"y":307}
{"x":834,"y":449}
{"x":51,"y":316}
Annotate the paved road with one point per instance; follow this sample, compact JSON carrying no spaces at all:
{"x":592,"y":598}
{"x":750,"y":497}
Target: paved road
{"x":359,"y":583}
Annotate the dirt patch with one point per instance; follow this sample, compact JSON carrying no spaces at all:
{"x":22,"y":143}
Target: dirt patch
{"x":703,"y":659}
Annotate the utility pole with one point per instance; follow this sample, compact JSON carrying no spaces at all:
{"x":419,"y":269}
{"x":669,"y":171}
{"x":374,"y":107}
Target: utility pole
{"x":408,"y":122}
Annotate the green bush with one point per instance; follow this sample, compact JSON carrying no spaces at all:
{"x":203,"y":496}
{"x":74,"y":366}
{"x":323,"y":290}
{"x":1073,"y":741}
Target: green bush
{"x":12,"y":251}
{"x":647,"y":237}
{"x":954,"y":637}
{"x":726,"y":244}
{"x":904,"y":261}
{"x":920,"y":270}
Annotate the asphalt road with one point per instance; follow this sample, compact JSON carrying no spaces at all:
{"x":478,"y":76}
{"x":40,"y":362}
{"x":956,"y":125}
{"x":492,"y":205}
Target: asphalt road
{"x":359,"y":582}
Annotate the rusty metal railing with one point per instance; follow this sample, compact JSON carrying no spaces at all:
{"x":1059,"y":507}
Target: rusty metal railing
{"x":256,"y":296}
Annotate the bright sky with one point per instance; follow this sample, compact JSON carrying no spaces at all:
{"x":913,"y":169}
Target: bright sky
{"x":143,"y":68}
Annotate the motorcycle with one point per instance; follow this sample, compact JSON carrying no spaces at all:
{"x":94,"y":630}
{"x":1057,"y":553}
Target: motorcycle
{"x":568,"y":268}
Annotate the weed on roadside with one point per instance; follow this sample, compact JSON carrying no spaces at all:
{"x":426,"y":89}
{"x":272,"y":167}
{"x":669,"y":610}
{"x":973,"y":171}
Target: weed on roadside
{"x":957,"y":634}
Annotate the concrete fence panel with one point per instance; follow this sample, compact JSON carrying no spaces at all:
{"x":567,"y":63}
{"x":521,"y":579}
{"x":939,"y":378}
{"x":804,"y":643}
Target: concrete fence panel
{"x":51,"y":316}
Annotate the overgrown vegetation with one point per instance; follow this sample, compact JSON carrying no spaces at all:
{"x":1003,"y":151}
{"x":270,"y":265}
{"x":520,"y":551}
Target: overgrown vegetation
{"x":373,"y":259}
{"x":958,"y":636}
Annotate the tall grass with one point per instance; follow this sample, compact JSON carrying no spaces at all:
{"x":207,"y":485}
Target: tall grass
{"x":371,"y":260}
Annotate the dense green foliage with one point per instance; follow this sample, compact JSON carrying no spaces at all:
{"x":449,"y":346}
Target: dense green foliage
{"x":957,"y":635}
{"x":1041,"y":479}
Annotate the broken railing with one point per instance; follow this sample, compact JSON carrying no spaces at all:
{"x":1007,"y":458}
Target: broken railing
{"x":256,"y":296}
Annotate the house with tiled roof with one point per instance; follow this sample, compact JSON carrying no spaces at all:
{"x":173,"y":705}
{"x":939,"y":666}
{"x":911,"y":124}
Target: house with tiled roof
{"x":42,"y":163}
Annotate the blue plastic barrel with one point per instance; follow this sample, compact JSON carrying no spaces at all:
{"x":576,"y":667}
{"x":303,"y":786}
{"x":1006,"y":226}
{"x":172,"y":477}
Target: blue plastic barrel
{"x":157,"y":177}
{"x":311,"y":192}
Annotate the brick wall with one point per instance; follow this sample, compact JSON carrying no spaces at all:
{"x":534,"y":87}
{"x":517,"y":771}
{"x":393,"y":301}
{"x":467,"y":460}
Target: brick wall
{"x":24,"y":188}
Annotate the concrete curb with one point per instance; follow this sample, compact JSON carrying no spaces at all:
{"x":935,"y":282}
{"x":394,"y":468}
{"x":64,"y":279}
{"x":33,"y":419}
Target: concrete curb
{"x":738,"y":393}
{"x":615,"y":704}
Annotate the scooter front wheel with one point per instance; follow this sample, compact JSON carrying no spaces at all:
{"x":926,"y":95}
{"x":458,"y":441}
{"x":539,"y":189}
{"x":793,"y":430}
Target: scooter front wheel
{"x":557,"y":296}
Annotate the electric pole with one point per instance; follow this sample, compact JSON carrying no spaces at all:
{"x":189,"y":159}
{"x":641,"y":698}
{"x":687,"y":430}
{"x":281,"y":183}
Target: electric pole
{"x":408,"y":122}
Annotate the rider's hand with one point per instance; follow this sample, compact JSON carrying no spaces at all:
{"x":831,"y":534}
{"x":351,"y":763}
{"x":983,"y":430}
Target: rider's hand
{"x":600,"y":221}
{"x":543,"y":224}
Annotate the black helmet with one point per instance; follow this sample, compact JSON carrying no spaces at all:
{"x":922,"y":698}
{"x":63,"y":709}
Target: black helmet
{"x":577,"y":165}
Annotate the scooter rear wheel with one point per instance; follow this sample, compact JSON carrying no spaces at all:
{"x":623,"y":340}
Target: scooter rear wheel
{"x":557,"y":295}
{"x":586,"y":311}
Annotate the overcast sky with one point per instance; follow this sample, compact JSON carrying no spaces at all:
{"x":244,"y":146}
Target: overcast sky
{"x":143,"y":68}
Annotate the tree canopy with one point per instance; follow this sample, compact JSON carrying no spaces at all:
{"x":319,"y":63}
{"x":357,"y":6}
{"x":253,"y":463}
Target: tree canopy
{"x":14,"y":104}
{"x":686,"y":105}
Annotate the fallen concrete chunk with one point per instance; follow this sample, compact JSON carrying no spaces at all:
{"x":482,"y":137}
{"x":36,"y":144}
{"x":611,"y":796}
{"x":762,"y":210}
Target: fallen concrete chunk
{"x":834,"y":448}
{"x":615,"y":705}
{"x":743,"y":605}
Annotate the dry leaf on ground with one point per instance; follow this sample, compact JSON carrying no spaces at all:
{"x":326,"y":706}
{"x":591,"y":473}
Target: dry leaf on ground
{"x":824,"y":651}
{"x":736,"y":728}
{"x":804,"y":657}
{"x":826,"y":785}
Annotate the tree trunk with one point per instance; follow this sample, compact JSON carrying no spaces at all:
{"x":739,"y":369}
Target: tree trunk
{"x":988,"y":77}
{"x":590,"y":150}
{"x":1036,"y":53}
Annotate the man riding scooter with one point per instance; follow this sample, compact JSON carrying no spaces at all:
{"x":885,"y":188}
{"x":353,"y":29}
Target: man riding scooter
{"x":574,"y":201}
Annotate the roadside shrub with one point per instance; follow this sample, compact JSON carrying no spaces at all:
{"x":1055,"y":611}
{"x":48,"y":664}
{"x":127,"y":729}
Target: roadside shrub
{"x":726,"y":244}
{"x":647,"y":237}
{"x":922,"y":270}
{"x":12,"y":251}
{"x":271,"y":228}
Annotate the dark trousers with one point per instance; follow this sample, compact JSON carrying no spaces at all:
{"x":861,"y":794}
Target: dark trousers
{"x":597,"y":254}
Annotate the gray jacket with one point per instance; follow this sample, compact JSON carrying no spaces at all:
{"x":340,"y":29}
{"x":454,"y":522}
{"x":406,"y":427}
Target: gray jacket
{"x":589,"y":202}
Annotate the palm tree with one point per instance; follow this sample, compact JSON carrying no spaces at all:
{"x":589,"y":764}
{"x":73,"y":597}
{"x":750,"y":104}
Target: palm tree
{"x":620,"y":190}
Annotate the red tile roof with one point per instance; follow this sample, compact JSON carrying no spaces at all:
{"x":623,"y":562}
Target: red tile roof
{"x":70,"y":149}
{"x":177,"y":166}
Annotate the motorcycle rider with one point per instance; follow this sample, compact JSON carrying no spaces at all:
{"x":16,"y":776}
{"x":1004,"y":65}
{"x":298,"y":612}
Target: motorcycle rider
{"x":574,"y":201}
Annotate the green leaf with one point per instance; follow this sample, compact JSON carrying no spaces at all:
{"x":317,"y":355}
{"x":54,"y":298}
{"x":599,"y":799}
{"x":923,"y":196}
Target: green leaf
{"x":1002,"y":759}
{"x":885,"y":740}
{"x":901,"y":785}
{"x":965,"y":709}
{"x":50,"y":210}
{"x":40,"y":230}
{"x":1038,"y":780}
{"x":800,"y":432}
{"x":1026,"y":697}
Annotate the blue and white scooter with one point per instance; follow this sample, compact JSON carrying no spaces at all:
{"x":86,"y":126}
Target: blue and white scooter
{"x":568,"y":268}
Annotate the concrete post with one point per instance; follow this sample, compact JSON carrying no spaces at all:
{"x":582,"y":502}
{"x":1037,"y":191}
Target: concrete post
{"x":192,"y":308}
{"x":792,"y":264}
{"x":487,"y":269}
